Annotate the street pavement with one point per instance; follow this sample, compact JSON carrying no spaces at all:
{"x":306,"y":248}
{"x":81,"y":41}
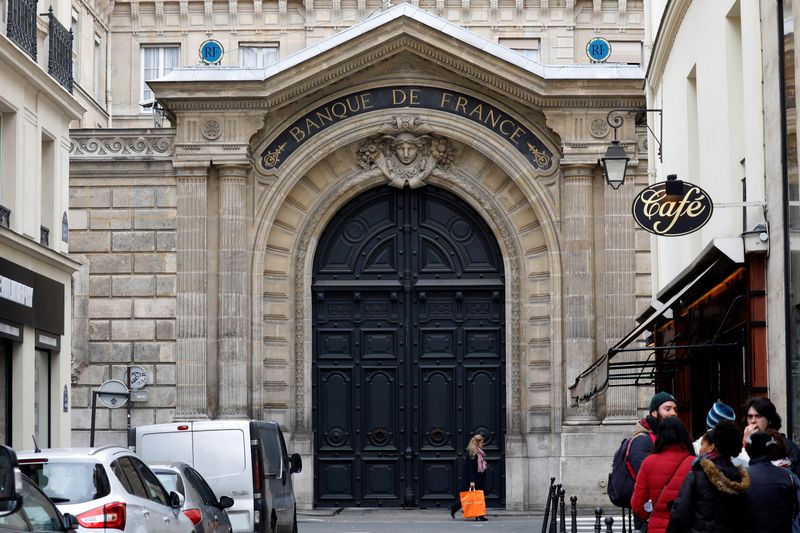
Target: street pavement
{"x":426,"y":521}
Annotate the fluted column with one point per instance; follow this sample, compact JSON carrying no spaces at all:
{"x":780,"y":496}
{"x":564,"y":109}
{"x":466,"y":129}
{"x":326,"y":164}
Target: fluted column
{"x":578,"y":261}
{"x":233,"y":350}
{"x":620,"y":288}
{"x":192,"y":296}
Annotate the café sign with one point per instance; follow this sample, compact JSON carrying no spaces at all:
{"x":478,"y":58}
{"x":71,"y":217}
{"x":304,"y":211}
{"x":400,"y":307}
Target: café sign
{"x":672,"y":215}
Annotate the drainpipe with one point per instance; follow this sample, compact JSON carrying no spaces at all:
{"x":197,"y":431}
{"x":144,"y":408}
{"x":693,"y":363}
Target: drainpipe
{"x":785,"y":212}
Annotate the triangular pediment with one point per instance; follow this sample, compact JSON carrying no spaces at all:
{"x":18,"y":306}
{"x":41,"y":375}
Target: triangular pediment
{"x":417,"y":35}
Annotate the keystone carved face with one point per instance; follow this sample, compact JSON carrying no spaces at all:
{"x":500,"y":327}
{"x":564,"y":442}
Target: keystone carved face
{"x":406,"y":147}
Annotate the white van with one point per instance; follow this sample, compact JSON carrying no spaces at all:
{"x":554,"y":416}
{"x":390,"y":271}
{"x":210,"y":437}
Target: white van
{"x":244,"y":459}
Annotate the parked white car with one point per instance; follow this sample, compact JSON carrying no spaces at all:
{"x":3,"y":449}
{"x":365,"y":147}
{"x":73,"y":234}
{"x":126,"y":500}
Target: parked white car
{"x":106,"y":488}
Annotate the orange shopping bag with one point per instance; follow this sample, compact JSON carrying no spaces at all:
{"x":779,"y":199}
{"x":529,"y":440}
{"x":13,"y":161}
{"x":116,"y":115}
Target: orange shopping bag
{"x":473,"y":503}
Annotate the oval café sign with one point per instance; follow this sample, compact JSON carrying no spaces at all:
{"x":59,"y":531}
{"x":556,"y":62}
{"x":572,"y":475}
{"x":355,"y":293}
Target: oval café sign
{"x":672,"y":215}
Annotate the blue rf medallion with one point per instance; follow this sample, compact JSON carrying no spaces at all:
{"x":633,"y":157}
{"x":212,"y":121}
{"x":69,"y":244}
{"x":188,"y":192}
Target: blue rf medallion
{"x":598,"y":50}
{"x":211,"y":52}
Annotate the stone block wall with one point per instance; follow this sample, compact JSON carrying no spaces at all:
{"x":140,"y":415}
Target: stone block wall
{"x":123,"y":229}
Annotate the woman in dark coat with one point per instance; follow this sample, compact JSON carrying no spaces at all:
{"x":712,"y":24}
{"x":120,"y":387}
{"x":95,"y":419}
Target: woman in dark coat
{"x":662,"y":473}
{"x":770,"y":500}
{"x":711,"y":498}
{"x":473,"y":475}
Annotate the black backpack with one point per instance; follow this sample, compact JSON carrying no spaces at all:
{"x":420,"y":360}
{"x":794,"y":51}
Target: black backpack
{"x":622,"y":477}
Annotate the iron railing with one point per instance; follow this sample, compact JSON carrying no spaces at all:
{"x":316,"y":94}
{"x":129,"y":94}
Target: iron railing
{"x":59,"y":62}
{"x":5,"y":217}
{"x":21,"y":25}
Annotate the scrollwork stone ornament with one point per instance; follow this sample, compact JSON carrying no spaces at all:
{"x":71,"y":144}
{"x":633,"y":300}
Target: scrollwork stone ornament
{"x":598,"y":128}
{"x":212,"y":129}
{"x":405,"y":152}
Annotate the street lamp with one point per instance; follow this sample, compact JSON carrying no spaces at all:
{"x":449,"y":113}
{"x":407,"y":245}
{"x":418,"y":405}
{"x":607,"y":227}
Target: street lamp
{"x":615,"y":160}
{"x":615,"y":163}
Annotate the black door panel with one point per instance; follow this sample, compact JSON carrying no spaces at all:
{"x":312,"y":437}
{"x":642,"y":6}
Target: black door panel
{"x":409,"y":352}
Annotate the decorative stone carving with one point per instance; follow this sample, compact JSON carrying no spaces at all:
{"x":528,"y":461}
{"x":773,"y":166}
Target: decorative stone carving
{"x":159,"y":5}
{"x":598,"y":128}
{"x":133,"y":146}
{"x":212,"y":129}
{"x":184,"y":16}
{"x":405,"y":152}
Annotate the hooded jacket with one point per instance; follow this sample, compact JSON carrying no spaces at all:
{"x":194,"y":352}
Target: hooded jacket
{"x":659,"y":480}
{"x":769,"y":502}
{"x":711,"y":498}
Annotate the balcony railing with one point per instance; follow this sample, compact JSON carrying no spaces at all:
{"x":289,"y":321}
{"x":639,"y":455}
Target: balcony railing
{"x":21,"y":25}
{"x":59,"y":63}
{"x":5,"y":217}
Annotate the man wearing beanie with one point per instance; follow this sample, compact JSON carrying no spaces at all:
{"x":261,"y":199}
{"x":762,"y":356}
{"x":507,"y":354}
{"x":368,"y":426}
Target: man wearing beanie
{"x":662,"y":405}
{"x":770,"y":499}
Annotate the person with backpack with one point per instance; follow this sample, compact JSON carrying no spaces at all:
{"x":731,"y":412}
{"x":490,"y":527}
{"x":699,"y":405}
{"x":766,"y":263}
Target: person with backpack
{"x":711,"y":498}
{"x":662,"y":473}
{"x":630,"y":454}
{"x":762,"y":415}
{"x":770,"y":500}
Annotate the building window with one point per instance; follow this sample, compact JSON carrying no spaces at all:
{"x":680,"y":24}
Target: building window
{"x":98,"y":69}
{"x":257,"y":56}
{"x":526,"y":47}
{"x":76,"y":43}
{"x":48,"y":182}
{"x":157,"y":61}
{"x":41,"y":399}
{"x":628,"y":52}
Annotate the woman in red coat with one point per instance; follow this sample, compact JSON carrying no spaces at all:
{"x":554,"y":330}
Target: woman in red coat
{"x":662,"y":473}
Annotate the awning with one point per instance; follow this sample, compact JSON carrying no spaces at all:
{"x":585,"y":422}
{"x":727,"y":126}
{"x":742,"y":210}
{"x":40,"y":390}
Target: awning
{"x":719,"y":255}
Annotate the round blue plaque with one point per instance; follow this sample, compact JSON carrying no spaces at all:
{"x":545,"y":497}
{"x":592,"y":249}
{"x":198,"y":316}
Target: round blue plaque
{"x":598,"y":50}
{"x":211,"y":51}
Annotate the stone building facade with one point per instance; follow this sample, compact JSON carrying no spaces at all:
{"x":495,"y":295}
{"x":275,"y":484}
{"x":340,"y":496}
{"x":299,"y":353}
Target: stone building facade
{"x":284,"y":247}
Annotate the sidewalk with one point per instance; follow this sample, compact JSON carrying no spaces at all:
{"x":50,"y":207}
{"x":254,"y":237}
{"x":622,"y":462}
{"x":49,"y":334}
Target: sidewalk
{"x":378,"y":513}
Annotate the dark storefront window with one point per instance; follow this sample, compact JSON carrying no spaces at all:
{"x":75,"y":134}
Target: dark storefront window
{"x":792,"y":195}
{"x":5,"y":392}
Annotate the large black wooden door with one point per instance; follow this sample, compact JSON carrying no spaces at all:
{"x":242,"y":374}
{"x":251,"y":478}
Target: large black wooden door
{"x":408,"y":348}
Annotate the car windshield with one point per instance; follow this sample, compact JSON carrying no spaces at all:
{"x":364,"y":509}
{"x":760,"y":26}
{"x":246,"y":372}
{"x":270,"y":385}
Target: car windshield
{"x":68,"y":482}
{"x":169,"y":480}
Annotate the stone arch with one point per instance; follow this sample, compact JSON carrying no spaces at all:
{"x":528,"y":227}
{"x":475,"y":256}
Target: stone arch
{"x":515,"y":203}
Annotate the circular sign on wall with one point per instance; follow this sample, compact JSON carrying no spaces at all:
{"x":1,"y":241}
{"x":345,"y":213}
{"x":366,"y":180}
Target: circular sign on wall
{"x":671,"y":215}
{"x":113,"y":393}
{"x":598,"y":50}
{"x":211,"y":51}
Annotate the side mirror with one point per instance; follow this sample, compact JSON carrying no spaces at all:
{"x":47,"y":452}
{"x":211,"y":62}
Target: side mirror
{"x":225,"y":502}
{"x":295,"y":463}
{"x":10,"y":482}
{"x":176,"y":499}
{"x":69,"y":522}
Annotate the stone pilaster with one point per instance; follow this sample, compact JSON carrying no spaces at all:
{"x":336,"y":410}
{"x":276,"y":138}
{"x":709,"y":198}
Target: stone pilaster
{"x":620,"y":291}
{"x":578,"y":260}
{"x":192,"y":293}
{"x":233,"y":350}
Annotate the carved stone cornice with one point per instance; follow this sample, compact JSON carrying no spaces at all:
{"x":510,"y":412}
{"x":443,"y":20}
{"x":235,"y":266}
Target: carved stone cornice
{"x":105,"y":144}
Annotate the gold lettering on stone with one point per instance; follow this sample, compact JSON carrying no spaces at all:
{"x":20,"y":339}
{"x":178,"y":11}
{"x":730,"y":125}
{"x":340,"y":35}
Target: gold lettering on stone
{"x":479,"y":110}
{"x":396,"y":96}
{"x":462,"y":103}
{"x":297,"y":133}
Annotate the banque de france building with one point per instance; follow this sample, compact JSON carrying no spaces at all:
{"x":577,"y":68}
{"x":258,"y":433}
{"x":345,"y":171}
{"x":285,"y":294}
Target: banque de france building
{"x":388,"y":241}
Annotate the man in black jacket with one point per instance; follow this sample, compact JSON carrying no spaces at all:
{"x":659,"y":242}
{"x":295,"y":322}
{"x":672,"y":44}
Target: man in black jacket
{"x":769,"y":502}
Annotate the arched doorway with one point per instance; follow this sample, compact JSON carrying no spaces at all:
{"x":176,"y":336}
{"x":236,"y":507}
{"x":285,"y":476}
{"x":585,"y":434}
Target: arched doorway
{"x":408,"y":350}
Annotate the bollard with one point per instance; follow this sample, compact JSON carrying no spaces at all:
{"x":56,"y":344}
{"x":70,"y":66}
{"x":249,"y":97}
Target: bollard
{"x":549,"y":502}
{"x":598,"y":514}
{"x":609,"y":524}
{"x":574,"y":501}
{"x":554,"y":521}
{"x":562,"y":522}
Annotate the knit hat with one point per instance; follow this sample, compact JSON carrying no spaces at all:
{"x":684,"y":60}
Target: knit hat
{"x":719,"y":411}
{"x":660,"y":398}
{"x":759,"y":444}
